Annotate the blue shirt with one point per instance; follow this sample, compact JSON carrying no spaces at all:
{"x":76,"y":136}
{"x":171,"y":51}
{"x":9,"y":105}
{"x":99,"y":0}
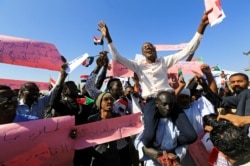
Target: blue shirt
{"x":166,"y":139}
{"x":36,"y":111}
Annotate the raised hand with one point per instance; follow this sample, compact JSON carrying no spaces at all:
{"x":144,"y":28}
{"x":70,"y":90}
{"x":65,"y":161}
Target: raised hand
{"x":204,"y":22}
{"x":181,"y":82}
{"x":204,"y":19}
{"x":235,"y":119}
{"x":103,"y":28}
{"x":205,"y":69}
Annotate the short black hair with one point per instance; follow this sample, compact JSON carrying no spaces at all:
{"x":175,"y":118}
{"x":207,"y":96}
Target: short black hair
{"x":211,"y":120}
{"x":232,"y":141}
{"x":240,"y":74}
{"x":67,"y":84}
{"x":26,"y":86}
{"x":111,"y":82}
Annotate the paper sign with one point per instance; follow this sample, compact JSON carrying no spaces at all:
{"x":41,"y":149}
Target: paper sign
{"x":45,"y":142}
{"x":108,"y":130}
{"x":16,"y":84}
{"x":119,"y":70}
{"x":217,"y":15}
{"x":36,"y":156}
{"x":170,"y":47}
{"x":72,"y":65}
{"x":186,"y":66}
{"x":31,"y":53}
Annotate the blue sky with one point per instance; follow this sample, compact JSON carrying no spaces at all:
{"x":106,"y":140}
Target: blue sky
{"x":71,"y":25}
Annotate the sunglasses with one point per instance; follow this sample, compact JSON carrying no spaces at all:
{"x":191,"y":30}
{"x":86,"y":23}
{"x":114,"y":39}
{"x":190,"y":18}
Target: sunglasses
{"x":6,"y":99}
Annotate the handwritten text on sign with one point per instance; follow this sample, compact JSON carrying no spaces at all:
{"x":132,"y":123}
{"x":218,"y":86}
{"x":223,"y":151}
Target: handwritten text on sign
{"x":108,"y":130}
{"x":47,"y":141}
{"x":119,"y":70}
{"x":46,"y":137}
{"x":31,"y":53}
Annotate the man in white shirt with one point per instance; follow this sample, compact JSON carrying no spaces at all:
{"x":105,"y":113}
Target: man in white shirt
{"x":152,"y":72}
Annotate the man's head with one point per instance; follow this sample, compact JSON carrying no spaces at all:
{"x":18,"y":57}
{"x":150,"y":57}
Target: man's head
{"x":114,"y":86}
{"x":8,"y":104}
{"x":149,"y":52}
{"x":238,"y":82}
{"x":70,"y":89}
{"x":165,"y":101}
{"x":29,"y":93}
{"x":184,"y":98}
{"x":232,"y":141}
{"x":128,"y":90}
{"x":104,"y":102}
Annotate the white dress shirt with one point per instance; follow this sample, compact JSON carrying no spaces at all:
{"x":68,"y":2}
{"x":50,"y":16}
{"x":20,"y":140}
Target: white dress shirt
{"x":153,"y":77}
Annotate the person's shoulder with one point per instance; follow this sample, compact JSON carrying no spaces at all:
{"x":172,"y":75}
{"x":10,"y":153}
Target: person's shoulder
{"x":94,"y":117}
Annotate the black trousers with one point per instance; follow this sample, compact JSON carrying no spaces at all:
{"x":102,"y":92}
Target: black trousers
{"x":151,"y":119}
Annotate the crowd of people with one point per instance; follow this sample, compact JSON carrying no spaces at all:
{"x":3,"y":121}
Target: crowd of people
{"x":174,"y":118}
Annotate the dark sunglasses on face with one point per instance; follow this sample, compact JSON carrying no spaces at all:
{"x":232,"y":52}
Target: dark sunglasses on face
{"x":6,"y":99}
{"x":108,"y":98}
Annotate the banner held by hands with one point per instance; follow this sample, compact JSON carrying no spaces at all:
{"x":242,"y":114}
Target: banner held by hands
{"x":30,"y":53}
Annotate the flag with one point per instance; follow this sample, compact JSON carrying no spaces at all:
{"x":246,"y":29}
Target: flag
{"x":247,"y":69}
{"x":199,"y":59}
{"x":85,"y":100}
{"x":215,"y":68}
{"x":246,"y":53}
{"x":179,"y":73}
{"x":98,"y":41}
{"x":52,"y":81}
{"x":88,"y":61}
{"x":121,"y":105}
{"x":84,"y":78}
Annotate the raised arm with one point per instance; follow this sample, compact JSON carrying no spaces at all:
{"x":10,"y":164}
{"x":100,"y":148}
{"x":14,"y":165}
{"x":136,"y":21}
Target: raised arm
{"x":181,"y":86}
{"x":206,"y":70}
{"x":113,"y":51}
{"x":204,"y":22}
{"x":90,"y":82}
{"x":63,"y":74}
{"x":103,"y":74}
{"x":236,"y":119}
{"x":105,"y":31}
{"x":192,"y":45}
{"x":210,"y":84}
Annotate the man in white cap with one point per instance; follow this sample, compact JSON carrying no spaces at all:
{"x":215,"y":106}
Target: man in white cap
{"x":195,"y":110}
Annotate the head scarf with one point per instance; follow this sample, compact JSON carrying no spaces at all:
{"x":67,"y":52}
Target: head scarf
{"x":99,"y":98}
